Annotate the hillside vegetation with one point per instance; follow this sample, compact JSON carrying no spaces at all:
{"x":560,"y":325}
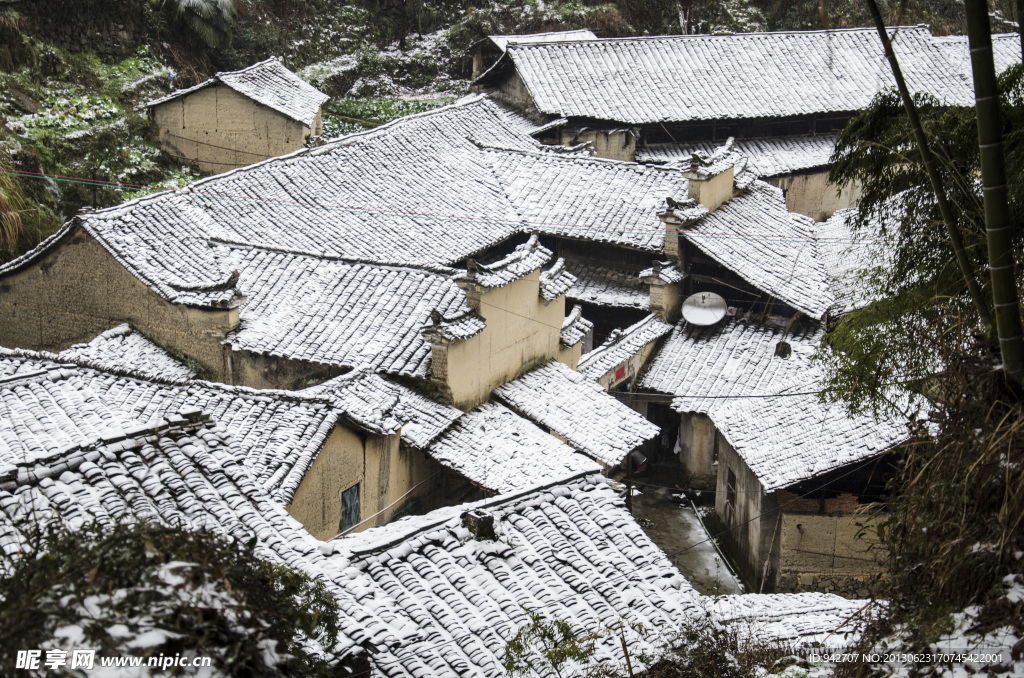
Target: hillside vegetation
{"x":74,"y":74}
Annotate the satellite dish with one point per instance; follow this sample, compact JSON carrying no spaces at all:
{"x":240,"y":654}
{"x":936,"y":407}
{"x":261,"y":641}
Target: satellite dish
{"x":704,"y":308}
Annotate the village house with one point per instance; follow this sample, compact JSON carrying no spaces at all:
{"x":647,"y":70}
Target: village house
{"x":323,"y":290}
{"x":238,"y":118}
{"x":340,"y":457}
{"x":487,"y":50}
{"x":256,"y":305}
{"x":438,"y":594}
{"x":659,"y":99}
{"x":84,"y":439}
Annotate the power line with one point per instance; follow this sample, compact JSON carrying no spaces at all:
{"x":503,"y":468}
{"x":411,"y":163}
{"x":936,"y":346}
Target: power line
{"x":222,"y":148}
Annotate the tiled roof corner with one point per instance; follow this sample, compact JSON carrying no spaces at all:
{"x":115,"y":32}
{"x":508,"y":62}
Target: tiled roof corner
{"x":556,"y":281}
{"x":522,"y":261}
{"x":580,"y":411}
{"x":500,"y":451}
{"x":125,"y":350}
{"x":621,"y":345}
{"x":575,"y":327}
{"x":461,"y":327}
{"x":664,"y":272}
{"x":682,"y":212}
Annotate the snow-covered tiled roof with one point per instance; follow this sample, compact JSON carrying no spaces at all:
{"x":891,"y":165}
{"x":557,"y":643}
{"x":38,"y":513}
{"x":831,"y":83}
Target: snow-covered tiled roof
{"x":588,"y":198}
{"x":604,"y":286}
{"x":848,"y":258}
{"x":773,"y":249}
{"x":123,"y":348}
{"x":622,"y":345}
{"x":801,"y":619}
{"x":569,"y":552}
{"x":502,"y":41}
{"x":268,"y":83}
{"x":575,"y":327}
{"x":579,"y":410}
{"x":767,"y":405}
{"x":501,"y":451}
{"x":789,"y":438}
{"x":277,"y":434}
{"x":334,"y":313}
{"x":768,"y":156}
{"x":374,"y":402}
{"x":701,"y":365}
{"x":746,"y":75}
{"x":1005,"y":50}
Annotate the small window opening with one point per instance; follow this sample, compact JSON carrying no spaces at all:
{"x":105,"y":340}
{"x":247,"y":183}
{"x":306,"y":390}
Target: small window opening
{"x":349,"y":508}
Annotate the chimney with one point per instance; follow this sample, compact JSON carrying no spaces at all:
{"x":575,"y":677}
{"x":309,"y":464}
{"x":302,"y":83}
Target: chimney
{"x":480,"y":523}
{"x":468,"y":283}
{"x":666,"y":288}
{"x":709,"y":185}
{"x":434,"y":335}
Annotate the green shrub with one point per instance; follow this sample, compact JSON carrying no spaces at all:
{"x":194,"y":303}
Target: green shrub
{"x":189,"y":593}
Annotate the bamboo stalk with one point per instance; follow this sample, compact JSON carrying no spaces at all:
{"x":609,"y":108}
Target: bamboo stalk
{"x":998,"y":228}
{"x":955,"y":238}
{"x":1020,"y":25}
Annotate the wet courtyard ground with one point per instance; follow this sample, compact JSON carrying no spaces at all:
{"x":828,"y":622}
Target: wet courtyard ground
{"x":679,"y":533}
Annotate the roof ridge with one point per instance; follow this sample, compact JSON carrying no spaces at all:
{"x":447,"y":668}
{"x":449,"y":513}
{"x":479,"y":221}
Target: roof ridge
{"x":704,"y":36}
{"x":31,"y":471}
{"x":540,"y":153}
{"x":247,"y":68}
{"x":47,"y":372}
{"x":438,"y":269}
{"x":447,"y":514}
{"x":39,"y":250}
